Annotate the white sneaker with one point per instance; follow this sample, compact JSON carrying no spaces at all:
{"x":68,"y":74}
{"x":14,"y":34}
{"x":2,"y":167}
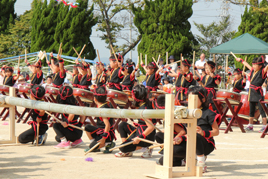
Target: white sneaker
{"x":202,"y":164}
{"x":121,"y":154}
{"x":147,"y":153}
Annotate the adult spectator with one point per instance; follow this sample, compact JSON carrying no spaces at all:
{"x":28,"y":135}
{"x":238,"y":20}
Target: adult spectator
{"x":200,"y":63}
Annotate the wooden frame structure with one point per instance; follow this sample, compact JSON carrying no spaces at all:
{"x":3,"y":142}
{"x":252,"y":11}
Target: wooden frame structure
{"x":190,"y":170}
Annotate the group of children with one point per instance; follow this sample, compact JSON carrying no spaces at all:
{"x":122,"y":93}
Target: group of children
{"x":122,"y":77}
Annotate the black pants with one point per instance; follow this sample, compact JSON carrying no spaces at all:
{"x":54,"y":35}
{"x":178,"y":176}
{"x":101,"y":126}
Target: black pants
{"x":28,"y":135}
{"x":94,"y":133}
{"x":252,"y":109}
{"x":127,"y":130}
{"x":70,"y":135}
{"x":203,"y":147}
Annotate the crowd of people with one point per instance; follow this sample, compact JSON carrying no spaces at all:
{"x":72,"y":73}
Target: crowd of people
{"x":203,"y":82}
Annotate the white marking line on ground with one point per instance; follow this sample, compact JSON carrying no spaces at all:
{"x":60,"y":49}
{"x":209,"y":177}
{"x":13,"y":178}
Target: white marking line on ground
{"x":229,"y":160}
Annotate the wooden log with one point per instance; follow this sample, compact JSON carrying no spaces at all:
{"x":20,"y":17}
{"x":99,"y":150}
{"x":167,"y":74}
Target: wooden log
{"x":123,"y":145}
{"x":95,"y":146}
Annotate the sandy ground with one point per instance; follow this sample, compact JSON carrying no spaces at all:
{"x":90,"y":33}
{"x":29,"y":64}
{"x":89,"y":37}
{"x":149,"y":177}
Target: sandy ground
{"x":238,"y":155}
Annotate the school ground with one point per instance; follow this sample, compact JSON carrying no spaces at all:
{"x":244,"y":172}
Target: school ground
{"x":238,"y":155}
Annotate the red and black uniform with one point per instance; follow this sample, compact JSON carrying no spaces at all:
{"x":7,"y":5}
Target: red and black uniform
{"x":128,"y":82}
{"x":99,"y":132}
{"x":85,"y":82}
{"x":76,"y":80}
{"x":36,"y":78}
{"x":152,"y":81}
{"x":29,"y":135}
{"x":255,"y":92}
{"x":204,"y":144}
{"x":210,"y":85}
{"x":9,"y":81}
{"x":115,"y":78}
{"x":238,"y":85}
{"x":70,"y":133}
{"x":182,"y":85}
{"x":99,"y":79}
{"x":130,"y":132}
{"x":58,"y":79}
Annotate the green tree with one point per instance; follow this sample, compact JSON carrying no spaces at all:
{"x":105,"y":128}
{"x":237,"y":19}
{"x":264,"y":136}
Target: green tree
{"x":164,"y":27}
{"x":56,"y":23}
{"x":213,"y":35}
{"x":254,"y":23}
{"x":18,"y":37}
{"x":113,"y":19}
{"x":7,"y":14}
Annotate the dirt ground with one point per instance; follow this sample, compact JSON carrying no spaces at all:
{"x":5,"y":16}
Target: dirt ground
{"x":238,"y":155}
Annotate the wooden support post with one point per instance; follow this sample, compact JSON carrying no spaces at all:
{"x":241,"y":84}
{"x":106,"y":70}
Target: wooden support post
{"x":12,"y":117}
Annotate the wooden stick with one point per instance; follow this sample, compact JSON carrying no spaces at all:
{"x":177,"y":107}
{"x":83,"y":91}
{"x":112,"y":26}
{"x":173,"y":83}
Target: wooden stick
{"x":146,"y":60}
{"x":59,"y":49}
{"x":59,"y":121}
{"x":193,"y":63}
{"x":138,"y":60}
{"x":76,"y":52}
{"x":244,"y":67}
{"x":123,"y":145}
{"x":82,"y":50}
{"x":152,"y":125}
{"x":140,"y":56}
{"x":154,"y":146}
{"x":155,"y":62}
{"x":158,"y":58}
{"x":114,"y":53}
{"x":147,"y":141}
{"x":167,"y":58}
{"x":90,"y":150}
{"x":98,"y":55}
{"x":37,"y":138}
{"x":233,"y":55}
{"x":214,"y":58}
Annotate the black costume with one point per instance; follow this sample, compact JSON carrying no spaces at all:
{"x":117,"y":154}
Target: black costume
{"x":238,"y":85}
{"x":9,"y":81}
{"x":115,"y":78}
{"x":130,"y":132}
{"x":36,"y":78}
{"x":76,"y":80}
{"x":255,"y":91}
{"x":152,"y":81}
{"x":182,"y":85}
{"x":70,"y":133}
{"x":58,"y":79}
{"x":99,"y":132}
{"x":85,"y":82}
{"x":29,"y":135}
{"x":128,"y":82}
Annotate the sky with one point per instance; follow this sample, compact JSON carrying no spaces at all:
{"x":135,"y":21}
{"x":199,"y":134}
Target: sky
{"x":204,"y":12}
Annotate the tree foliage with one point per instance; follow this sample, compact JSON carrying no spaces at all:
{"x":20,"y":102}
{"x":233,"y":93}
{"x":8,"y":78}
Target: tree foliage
{"x":7,"y":15}
{"x":56,"y":23}
{"x":254,"y":23}
{"x":113,"y":19}
{"x":18,"y":37}
{"x":213,"y":35}
{"x":164,"y":27}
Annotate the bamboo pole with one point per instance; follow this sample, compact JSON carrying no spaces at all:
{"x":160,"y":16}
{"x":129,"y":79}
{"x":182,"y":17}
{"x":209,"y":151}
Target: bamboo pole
{"x":123,"y":145}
